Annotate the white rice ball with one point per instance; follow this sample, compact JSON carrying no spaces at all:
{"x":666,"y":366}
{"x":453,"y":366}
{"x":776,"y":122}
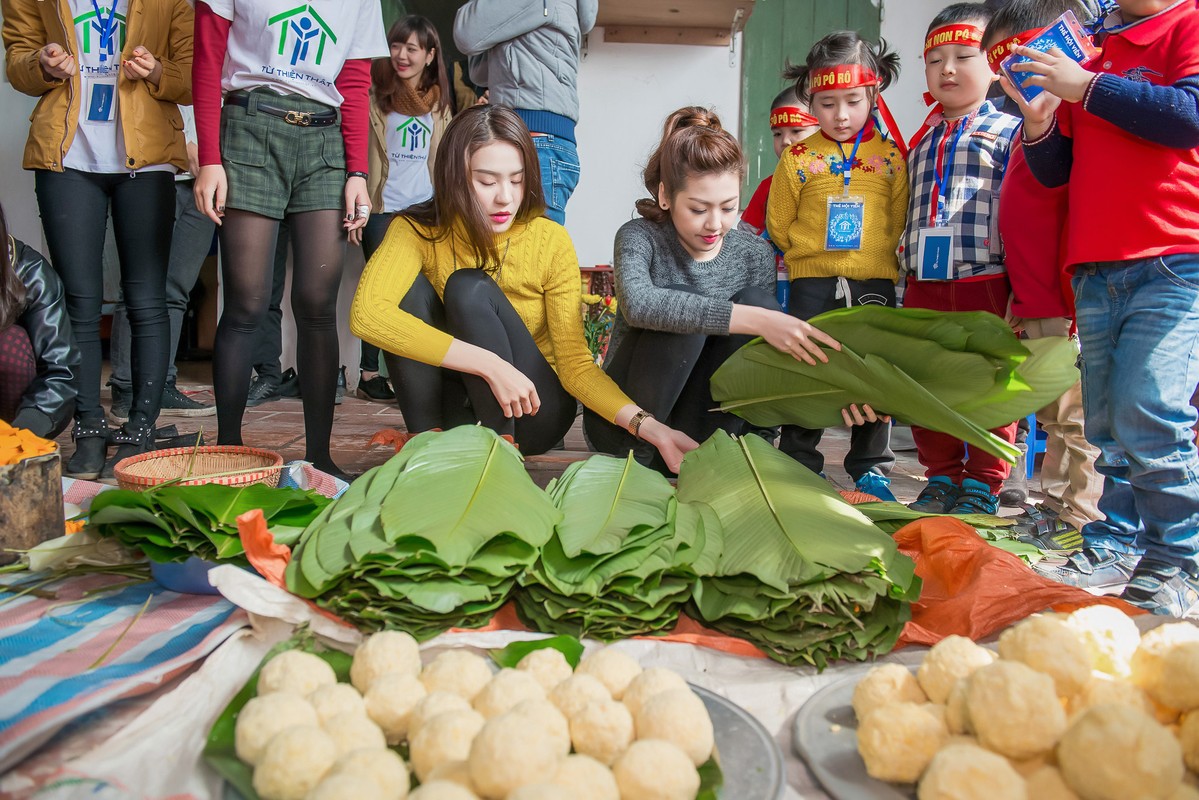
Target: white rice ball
{"x":390,"y":701}
{"x":678,"y":716}
{"x":586,"y":778}
{"x":431,"y":705}
{"x":381,"y":653}
{"x":883,"y":685}
{"x":442,"y":790}
{"x":614,"y":669}
{"x":297,"y":672}
{"x":346,"y":786}
{"x":332,"y":701}
{"x":1147,"y":659}
{"x":445,"y":737}
{"x":965,"y":772}
{"x":293,"y":764}
{"x":457,"y":671}
{"x":1049,"y":645}
{"x":652,"y":769}
{"x":383,"y":766}
{"x":510,"y":752}
{"x":572,"y":694}
{"x":1015,"y":710}
{"x":545,"y":716}
{"x":506,"y":689}
{"x":354,"y":732}
{"x":454,"y":772}
{"x":1110,"y":636}
{"x":898,"y":740}
{"x":547,"y":665}
{"x":951,"y":658}
{"x":603,"y":730}
{"x":265,"y":716}
{"x":1116,"y":752}
{"x":648,"y":683}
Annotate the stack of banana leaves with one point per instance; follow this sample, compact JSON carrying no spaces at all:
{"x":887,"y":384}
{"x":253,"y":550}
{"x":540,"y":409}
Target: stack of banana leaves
{"x":801,"y":573}
{"x":625,"y":556}
{"x":434,"y":538}
{"x":958,"y":373}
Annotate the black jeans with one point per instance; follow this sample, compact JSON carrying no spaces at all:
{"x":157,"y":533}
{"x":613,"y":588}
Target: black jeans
{"x":669,"y":375}
{"x":869,"y":444}
{"x":475,"y":310}
{"x":74,"y":209}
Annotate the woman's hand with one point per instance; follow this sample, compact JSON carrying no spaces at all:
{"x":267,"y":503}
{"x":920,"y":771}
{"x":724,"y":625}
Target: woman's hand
{"x":355,"y":237}
{"x":671,"y":444}
{"x":358,"y":203}
{"x":855,"y":416}
{"x":57,"y":64}
{"x":515,"y":393}
{"x":210,"y":190}
{"x":790,"y":335}
{"x":142,"y":67}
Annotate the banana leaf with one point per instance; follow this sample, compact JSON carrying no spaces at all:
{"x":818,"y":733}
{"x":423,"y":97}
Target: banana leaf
{"x":959,"y":373}
{"x":998,"y":531}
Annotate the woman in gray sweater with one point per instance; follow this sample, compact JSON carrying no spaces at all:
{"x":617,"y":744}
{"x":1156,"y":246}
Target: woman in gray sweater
{"x":691,"y":288}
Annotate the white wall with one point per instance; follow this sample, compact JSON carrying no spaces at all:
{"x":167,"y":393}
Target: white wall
{"x":904,"y":25}
{"x":16,"y":184}
{"x":626,"y":92}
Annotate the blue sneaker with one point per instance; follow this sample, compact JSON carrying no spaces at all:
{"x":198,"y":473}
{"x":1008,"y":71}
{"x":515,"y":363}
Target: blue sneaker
{"x":1162,"y":588}
{"x":1089,"y":568}
{"x":879,"y":486}
{"x":974,"y":497}
{"x":936,"y":498}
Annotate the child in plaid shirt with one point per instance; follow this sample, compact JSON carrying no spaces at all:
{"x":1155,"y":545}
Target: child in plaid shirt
{"x":955,"y":165}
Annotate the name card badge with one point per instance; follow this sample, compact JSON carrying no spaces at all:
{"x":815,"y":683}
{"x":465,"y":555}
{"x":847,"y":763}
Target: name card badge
{"x":846,"y":218}
{"x":934,"y":254}
{"x":101,"y":103}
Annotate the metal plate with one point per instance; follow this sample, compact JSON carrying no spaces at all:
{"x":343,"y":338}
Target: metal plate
{"x":826,"y":738}
{"x":749,"y":757}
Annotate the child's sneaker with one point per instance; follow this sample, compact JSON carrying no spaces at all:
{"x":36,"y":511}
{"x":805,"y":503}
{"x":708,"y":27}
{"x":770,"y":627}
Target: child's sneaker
{"x":1089,"y":568}
{"x":1041,"y":527}
{"x":936,"y":498}
{"x":974,"y":497}
{"x":875,"y":484}
{"x":1162,"y":588}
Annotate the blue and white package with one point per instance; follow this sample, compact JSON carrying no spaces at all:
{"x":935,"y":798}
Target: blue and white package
{"x":1067,"y":34}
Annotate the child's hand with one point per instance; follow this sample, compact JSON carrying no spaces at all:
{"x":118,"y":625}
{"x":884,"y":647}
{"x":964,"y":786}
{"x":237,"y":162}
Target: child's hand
{"x":1055,"y":72}
{"x":855,"y":416}
{"x":1038,"y":115}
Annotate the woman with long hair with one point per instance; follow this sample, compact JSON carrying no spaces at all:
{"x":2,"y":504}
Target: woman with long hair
{"x":478,"y":296}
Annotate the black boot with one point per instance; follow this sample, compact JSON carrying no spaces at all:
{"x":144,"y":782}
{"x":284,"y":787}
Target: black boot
{"x":134,"y":437}
{"x":91,"y":448}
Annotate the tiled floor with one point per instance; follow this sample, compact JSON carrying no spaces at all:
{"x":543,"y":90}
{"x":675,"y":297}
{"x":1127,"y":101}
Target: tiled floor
{"x":279,"y":425}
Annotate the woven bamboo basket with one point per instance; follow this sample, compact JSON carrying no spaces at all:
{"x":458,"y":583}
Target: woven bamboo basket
{"x":190,"y":466}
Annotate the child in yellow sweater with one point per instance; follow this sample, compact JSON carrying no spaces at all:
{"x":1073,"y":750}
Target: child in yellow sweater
{"x":836,"y":210}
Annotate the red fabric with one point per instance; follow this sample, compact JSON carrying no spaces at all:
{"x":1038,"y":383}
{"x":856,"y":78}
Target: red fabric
{"x":1131,"y":198}
{"x":754,"y":214}
{"x":18,"y":368}
{"x":1032,"y":224}
{"x":958,"y":33}
{"x":208,"y":59}
{"x":354,"y":83}
{"x":980,"y":293}
{"x":842,"y":76}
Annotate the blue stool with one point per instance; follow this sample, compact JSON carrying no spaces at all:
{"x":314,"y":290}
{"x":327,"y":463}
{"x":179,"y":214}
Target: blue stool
{"x":1036,"y":444}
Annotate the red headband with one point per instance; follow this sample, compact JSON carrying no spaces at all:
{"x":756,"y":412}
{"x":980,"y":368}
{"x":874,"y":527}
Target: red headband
{"x":842,"y":76}
{"x":1002,"y":50}
{"x":791,"y":117}
{"x":969,"y":35}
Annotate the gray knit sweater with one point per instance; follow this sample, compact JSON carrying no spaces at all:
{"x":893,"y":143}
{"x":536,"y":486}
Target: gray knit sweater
{"x":649,"y":257}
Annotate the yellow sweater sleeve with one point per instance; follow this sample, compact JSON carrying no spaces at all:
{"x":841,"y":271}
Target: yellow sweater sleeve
{"x":782,"y":204}
{"x":900,"y":190}
{"x":375,"y":314}
{"x":577,"y":371}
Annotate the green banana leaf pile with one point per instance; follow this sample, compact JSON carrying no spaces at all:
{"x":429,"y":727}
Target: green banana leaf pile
{"x":801,"y":574}
{"x":624,"y":558}
{"x":996,"y":531}
{"x":433,"y":539}
{"x":172,"y":523}
{"x":959,"y":373}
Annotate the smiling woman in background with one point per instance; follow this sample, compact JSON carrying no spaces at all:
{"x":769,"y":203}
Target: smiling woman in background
{"x":479,"y":297}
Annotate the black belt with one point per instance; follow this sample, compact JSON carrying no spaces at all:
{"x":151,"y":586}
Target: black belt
{"x":301,"y":118}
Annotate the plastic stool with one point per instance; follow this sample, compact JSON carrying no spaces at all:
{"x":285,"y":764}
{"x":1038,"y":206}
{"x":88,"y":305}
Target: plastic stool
{"x":1036,"y":444}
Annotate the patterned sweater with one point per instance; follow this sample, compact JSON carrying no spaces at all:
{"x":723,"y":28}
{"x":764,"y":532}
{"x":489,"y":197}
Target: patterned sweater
{"x":796,"y":213}
{"x":539,"y":275}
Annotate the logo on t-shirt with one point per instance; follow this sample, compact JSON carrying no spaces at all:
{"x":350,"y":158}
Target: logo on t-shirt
{"x":1141,"y":74}
{"x":414,"y":134}
{"x":301,"y":28}
{"x":90,"y":29}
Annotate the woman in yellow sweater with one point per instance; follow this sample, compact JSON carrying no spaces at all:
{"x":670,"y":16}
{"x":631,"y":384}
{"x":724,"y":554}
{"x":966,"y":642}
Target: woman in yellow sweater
{"x":478,"y":296}
{"x":837,"y":207}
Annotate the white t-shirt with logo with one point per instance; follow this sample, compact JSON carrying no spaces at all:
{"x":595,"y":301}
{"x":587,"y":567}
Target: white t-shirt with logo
{"x":295,"y":47}
{"x":408,"y":181}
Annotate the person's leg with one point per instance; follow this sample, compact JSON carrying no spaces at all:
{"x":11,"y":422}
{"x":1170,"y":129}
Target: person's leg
{"x":371,"y":385}
{"x":809,"y":297}
{"x":18,"y":369}
{"x":190,"y":243}
{"x":602,"y":435}
{"x":320,"y":248}
{"x":428,"y":397}
{"x":270,"y":343}
{"x":559,"y":161}
{"x":477,"y":312}
{"x":120,"y":380}
{"x":870,"y":444}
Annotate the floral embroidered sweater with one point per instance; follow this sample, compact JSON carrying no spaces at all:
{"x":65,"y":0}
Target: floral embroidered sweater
{"x":796,"y":213}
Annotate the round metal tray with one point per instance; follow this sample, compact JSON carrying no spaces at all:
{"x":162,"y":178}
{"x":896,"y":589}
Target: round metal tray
{"x":749,"y":757}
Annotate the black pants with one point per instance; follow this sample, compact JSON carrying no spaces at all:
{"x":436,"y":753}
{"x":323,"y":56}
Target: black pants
{"x":669,"y":375}
{"x":372,"y":237}
{"x":869,"y":444}
{"x":475,"y":310}
{"x":74,"y":209}
{"x":270,"y":344}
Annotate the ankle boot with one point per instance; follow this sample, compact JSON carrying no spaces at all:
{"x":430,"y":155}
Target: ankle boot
{"x":91,"y":447}
{"x":134,"y":437}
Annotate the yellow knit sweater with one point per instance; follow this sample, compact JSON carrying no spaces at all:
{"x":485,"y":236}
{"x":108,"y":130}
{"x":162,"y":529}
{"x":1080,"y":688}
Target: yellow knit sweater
{"x":539,"y":276}
{"x":797,"y":210}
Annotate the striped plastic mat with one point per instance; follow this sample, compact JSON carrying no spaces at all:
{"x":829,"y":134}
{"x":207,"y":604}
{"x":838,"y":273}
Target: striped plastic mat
{"x":88,"y":645}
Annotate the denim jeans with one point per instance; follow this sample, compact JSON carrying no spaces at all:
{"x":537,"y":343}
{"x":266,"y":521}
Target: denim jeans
{"x":1138,"y":324}
{"x":559,"y":159}
{"x":191,"y":242}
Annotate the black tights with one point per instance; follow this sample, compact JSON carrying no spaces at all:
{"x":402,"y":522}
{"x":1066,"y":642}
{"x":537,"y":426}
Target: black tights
{"x":247,"y":252}
{"x":475,"y":310}
{"x":668,"y":375}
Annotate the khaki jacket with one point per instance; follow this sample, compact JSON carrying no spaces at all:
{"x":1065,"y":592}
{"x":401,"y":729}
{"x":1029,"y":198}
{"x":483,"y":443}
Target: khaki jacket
{"x":379,"y":163}
{"x":150,"y":117}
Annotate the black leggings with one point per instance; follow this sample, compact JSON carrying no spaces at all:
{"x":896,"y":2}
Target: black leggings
{"x":248,"y":254}
{"x":74,"y":208}
{"x":475,"y":310}
{"x":668,"y":375}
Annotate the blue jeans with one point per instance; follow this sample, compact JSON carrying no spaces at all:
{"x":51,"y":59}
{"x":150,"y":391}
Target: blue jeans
{"x":1138,"y":325}
{"x":559,"y":159}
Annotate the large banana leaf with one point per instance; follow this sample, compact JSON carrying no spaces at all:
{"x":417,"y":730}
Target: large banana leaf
{"x":958,"y":373}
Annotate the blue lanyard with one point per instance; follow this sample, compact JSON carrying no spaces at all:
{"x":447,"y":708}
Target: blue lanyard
{"x":107,"y":27}
{"x":941,"y":176}
{"x":853,"y":156}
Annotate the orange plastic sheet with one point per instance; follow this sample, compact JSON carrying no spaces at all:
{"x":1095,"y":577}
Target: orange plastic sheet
{"x":970,"y":588}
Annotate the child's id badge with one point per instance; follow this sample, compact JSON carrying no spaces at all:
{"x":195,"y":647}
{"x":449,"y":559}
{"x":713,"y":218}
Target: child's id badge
{"x":934,"y":254}
{"x":101,"y":104}
{"x":846,"y":215}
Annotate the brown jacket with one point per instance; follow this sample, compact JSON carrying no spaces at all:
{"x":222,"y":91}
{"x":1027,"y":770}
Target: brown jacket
{"x":150,"y":117}
{"x":379,"y":163}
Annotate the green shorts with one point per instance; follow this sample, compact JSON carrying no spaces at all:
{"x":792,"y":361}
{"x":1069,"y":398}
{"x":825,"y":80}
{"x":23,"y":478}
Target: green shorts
{"x":275,"y":168}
